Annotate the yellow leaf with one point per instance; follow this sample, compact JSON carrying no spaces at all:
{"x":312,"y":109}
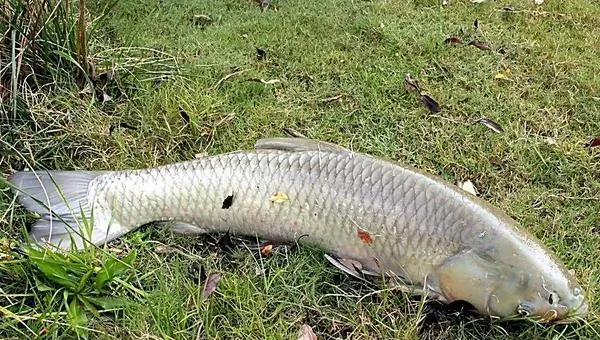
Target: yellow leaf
{"x":500,"y":76}
{"x":279,"y":197}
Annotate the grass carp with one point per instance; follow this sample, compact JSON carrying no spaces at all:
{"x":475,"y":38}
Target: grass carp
{"x":385,"y":218}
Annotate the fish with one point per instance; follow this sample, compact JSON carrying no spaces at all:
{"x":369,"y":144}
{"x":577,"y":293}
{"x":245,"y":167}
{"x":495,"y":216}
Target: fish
{"x":371,"y":216}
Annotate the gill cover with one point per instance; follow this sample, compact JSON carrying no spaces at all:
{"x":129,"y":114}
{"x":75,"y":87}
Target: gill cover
{"x":491,"y":287}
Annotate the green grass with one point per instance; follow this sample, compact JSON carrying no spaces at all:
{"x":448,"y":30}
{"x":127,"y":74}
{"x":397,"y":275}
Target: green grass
{"x":537,"y":170}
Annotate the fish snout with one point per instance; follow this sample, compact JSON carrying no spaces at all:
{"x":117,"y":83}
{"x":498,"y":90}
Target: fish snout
{"x":562,"y":312}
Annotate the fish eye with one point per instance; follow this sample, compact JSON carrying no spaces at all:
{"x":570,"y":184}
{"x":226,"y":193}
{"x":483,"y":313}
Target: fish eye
{"x":553,"y":298}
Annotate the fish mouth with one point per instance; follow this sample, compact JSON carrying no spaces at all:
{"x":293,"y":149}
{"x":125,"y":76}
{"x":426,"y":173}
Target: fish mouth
{"x":576,"y":315}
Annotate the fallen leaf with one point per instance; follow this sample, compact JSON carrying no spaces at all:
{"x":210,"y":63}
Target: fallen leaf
{"x":550,"y":141}
{"x":266,"y":249}
{"x":201,"y":20}
{"x":293,"y":133}
{"x":453,"y":41}
{"x":261,"y":53}
{"x":503,"y":75}
{"x":184,"y":115}
{"x":468,"y":187}
{"x":266,"y":82}
{"x":539,"y":2}
{"x":306,"y":333}
{"x":491,"y":124}
{"x":210,"y":285}
{"x":332,"y":99}
{"x":482,"y":45}
{"x":431,"y":103}
{"x":412,"y":82}
{"x":279,"y":197}
{"x":594,"y":142}
{"x":105,"y":97}
{"x":365,"y":236}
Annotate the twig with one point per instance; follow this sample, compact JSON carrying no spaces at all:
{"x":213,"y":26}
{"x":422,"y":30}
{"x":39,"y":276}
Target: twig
{"x":222,"y":80}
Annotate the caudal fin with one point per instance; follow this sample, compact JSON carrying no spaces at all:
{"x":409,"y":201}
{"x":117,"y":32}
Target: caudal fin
{"x":61,"y":198}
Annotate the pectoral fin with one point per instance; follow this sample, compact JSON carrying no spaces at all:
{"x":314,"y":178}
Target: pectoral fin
{"x":351,"y":267}
{"x":468,"y":276}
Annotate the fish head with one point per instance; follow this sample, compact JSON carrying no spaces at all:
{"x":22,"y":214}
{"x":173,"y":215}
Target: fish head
{"x":551,"y":297}
{"x":501,"y":288}
{"x":543,"y":287}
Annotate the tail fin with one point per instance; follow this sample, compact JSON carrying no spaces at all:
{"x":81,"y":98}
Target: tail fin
{"x":61,"y":198}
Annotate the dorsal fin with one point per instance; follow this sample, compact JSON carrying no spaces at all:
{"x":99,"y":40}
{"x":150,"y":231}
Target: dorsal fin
{"x":297,"y":144}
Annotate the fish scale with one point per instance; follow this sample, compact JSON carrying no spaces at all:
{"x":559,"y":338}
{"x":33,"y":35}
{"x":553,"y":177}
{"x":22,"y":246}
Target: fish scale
{"x":391,"y":219}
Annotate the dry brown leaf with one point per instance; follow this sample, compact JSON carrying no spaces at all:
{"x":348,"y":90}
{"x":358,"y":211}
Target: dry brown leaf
{"x":482,"y":45}
{"x":594,"y":142}
{"x":468,"y":187}
{"x":453,"y":41}
{"x":306,"y":333}
{"x":279,"y":197}
{"x":365,"y":236}
{"x":266,"y":249}
{"x":210,"y":285}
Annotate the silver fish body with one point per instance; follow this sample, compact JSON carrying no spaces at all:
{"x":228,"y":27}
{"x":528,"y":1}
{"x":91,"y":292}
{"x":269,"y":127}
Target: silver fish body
{"x":391,"y":219}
